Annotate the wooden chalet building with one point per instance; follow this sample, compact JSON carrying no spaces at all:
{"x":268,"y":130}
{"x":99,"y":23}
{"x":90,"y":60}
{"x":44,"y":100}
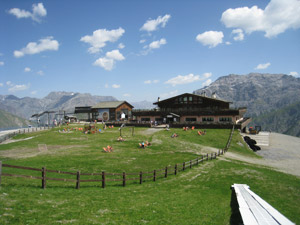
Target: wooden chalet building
{"x":107,"y":111}
{"x":191,"y":108}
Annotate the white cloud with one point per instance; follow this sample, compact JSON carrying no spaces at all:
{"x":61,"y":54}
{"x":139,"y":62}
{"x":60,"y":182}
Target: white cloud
{"x":105,"y":63}
{"x":27,"y":69}
{"x":210,"y":38}
{"x":276,"y":18}
{"x":152,"y":25}
{"x":116,"y":86}
{"x":1,"y":63}
{"x":106,"y":86}
{"x":38,"y":11}
{"x":18,"y":87}
{"x":121,"y":46}
{"x":100,"y":37}
{"x":142,"y":41}
{"x":34,"y":92}
{"x":40,"y":72}
{"x":115,"y":54}
{"x":1,"y":84}
{"x":151,"y":81}
{"x":207,"y":82}
{"x":262,"y":66}
{"x":207,"y":75}
{"x":294,"y":73}
{"x":157,"y":44}
{"x":45,"y":44}
{"x":108,"y":61}
{"x":228,"y":43}
{"x":8,"y":83}
{"x":127,"y":95}
{"x":190,"y":78}
{"x":169,"y":94}
{"x":239,"y":34}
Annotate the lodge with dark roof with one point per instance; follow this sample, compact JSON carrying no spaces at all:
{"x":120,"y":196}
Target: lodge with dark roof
{"x":107,"y":111}
{"x":191,"y":108}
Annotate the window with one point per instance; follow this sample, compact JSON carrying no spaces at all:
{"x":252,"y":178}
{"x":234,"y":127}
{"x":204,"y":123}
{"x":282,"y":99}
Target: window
{"x":145,"y":119}
{"x":207,"y":119}
{"x":225,"y":119}
{"x":190,"y":99}
{"x":185,"y":99}
{"x":190,"y":119}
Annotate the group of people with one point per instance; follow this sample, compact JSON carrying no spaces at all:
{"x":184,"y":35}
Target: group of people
{"x":144,"y":144}
{"x":201,"y":132}
{"x":187,"y":128}
{"x":120,"y":139}
{"x":108,"y":148}
{"x":174,"y":135}
{"x":105,"y":127}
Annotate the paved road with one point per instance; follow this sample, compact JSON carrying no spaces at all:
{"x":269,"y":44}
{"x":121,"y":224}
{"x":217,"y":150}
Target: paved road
{"x":283,"y":154}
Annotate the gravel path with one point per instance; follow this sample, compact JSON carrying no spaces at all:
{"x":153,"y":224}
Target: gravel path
{"x":283,"y":154}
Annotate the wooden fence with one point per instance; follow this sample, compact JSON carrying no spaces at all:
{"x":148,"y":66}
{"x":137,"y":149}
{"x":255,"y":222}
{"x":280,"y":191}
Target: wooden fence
{"x":140,"y":177}
{"x":21,"y":131}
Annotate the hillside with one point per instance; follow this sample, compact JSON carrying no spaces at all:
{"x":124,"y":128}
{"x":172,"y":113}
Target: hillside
{"x":199,"y":194}
{"x":25,"y":107}
{"x":261,"y":94}
{"x":285,"y":120}
{"x":7,"y":120}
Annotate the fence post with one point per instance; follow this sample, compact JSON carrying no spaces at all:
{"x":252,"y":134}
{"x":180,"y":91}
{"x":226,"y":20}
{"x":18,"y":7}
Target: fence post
{"x":207,"y":157}
{"x":183,"y":166}
{"x":124,"y":179}
{"x":191,"y":164}
{"x":202,"y":158}
{"x":211,"y":156}
{"x":197,"y":160}
{"x":166,"y":172}
{"x":154,"y":175}
{"x":103,"y":179}
{"x":218,"y":152}
{"x":78,"y":180}
{"x":141,"y":177}
{"x":175,"y":169}
{"x":0,"y":171}
{"x":44,"y":177}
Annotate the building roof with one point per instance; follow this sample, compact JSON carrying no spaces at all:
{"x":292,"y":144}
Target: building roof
{"x":109,"y":105}
{"x":189,"y":94}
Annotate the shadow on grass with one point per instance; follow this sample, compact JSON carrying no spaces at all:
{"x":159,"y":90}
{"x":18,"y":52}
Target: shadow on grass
{"x":235,"y":218}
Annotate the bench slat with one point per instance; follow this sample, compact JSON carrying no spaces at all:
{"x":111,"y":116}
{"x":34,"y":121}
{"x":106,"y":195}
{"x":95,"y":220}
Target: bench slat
{"x":254,"y":210}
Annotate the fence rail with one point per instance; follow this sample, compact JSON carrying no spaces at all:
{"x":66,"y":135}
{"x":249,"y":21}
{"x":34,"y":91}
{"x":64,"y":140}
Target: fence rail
{"x":13,"y":133}
{"x":120,"y":177}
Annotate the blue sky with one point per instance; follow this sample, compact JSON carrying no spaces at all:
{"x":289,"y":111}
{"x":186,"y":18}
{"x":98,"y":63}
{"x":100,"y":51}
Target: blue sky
{"x":139,"y":50}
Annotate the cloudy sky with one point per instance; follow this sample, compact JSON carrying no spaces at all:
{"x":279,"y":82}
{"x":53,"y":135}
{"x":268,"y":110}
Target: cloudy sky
{"x":138,"y":50}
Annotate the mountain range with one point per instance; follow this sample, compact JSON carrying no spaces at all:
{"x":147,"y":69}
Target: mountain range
{"x":8,"y":120}
{"x":266,"y":97}
{"x":272,"y":100}
{"x":54,"y":101}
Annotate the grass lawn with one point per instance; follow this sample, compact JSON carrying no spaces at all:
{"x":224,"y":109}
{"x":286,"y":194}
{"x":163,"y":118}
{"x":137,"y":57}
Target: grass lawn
{"x":200,"y":195}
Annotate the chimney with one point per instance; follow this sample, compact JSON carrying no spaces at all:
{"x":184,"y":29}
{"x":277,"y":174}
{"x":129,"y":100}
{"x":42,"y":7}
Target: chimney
{"x":158,"y":99}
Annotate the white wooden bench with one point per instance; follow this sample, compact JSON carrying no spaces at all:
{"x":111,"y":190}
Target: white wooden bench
{"x":256,"y":211}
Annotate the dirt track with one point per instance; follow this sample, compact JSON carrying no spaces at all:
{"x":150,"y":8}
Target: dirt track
{"x":283,"y":154}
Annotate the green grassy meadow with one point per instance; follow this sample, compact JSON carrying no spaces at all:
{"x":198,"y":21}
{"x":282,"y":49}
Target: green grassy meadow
{"x":200,"y":195}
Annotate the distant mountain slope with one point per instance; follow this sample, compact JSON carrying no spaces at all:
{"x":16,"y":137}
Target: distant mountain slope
{"x":7,"y":120}
{"x":260,"y":93}
{"x":25,"y":107}
{"x":285,"y":120}
{"x":143,"y":105}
